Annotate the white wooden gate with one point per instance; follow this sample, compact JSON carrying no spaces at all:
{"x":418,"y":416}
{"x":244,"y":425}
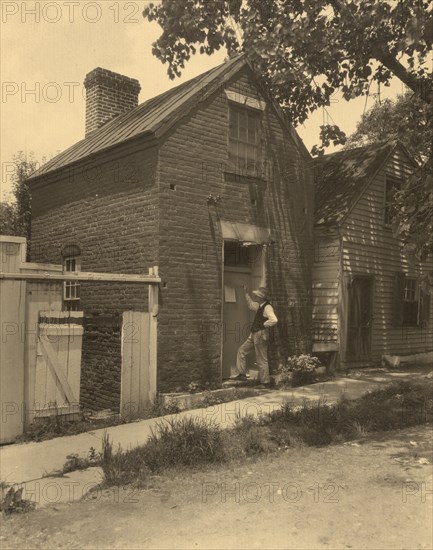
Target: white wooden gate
{"x":138,"y":378}
{"x":58,"y":364}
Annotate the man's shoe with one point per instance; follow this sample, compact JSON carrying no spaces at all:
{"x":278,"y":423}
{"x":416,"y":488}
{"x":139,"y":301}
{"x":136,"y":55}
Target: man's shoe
{"x":239,"y":377}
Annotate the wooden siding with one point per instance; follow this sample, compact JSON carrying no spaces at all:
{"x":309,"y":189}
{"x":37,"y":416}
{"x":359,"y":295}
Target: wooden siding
{"x":326,"y":269}
{"x":369,"y":248}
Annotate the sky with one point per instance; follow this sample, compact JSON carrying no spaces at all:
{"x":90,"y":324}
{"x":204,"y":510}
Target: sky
{"x":48,"y":47}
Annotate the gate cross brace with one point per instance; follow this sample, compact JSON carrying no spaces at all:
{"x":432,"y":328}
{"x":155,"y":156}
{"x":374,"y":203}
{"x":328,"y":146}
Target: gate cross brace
{"x":56,"y":371}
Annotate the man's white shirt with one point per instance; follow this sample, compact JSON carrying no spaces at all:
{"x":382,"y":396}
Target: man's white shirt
{"x":268,"y":312}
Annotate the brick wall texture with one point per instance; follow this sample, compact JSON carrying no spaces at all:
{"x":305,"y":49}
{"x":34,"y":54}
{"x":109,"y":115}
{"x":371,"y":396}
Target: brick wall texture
{"x":140,"y":206}
{"x":190,"y":244}
{"x":108,"y":95}
{"x":101,"y":362}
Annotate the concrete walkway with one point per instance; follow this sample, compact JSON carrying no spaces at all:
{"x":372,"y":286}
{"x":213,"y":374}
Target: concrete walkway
{"x":29,"y":463}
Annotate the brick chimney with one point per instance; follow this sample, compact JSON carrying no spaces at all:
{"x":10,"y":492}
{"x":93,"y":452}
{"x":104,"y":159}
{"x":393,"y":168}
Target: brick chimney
{"x":108,"y":95}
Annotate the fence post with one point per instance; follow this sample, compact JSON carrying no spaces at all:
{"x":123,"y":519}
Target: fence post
{"x":153,"y":333}
{"x":12,"y":313}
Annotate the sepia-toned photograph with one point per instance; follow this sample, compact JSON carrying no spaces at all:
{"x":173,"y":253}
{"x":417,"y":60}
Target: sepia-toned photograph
{"x":216,"y":274}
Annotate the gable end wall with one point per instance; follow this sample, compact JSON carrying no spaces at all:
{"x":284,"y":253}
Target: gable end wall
{"x":194,"y":158}
{"x":370,"y":248}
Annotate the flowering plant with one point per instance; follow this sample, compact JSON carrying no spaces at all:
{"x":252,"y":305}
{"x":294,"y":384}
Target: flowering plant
{"x":299,"y":370}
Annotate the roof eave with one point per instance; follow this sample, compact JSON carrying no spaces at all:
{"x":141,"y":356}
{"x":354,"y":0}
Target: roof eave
{"x":53,"y":174}
{"x":367,"y":185}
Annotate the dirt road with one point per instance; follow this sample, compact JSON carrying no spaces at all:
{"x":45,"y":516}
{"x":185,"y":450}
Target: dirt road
{"x":374,"y":494}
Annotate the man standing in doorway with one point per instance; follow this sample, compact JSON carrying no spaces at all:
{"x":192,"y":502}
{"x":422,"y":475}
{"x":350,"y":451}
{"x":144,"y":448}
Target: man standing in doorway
{"x":259,"y":335}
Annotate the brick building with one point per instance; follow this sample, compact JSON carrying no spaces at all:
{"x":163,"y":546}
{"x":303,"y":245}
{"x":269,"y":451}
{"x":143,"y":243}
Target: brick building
{"x":209,"y":182}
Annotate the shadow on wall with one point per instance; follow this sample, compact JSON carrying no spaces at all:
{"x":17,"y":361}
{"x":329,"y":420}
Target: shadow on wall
{"x":289,"y":212}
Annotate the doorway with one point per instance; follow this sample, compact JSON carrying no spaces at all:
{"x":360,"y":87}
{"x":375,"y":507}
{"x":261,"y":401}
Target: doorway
{"x":244,"y":265}
{"x":360,"y":318}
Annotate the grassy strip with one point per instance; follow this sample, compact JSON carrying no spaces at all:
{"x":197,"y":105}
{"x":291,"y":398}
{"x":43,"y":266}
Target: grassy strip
{"x":57,"y":426}
{"x":188,"y":442}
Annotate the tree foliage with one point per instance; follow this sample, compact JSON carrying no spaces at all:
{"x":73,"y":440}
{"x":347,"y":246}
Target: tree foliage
{"x":413,"y":211}
{"x":407,"y":119}
{"x":306,"y":49}
{"x":15,"y":216}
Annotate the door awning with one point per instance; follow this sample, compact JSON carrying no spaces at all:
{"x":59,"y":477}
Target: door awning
{"x":245,"y":232}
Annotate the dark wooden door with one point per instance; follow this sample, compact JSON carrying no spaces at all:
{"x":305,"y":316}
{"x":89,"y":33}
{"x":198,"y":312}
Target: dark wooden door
{"x":360,"y":318}
{"x":237,"y":317}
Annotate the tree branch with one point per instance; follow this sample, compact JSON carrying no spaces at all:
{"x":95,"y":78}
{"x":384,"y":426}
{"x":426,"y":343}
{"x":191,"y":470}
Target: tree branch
{"x":420,"y":86}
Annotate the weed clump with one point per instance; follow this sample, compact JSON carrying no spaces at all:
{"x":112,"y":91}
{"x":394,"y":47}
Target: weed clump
{"x":12,"y":501}
{"x":173,"y":443}
{"x":159,"y":407}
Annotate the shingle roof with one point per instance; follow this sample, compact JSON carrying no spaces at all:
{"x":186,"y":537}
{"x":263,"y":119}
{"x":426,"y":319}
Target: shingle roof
{"x":156,"y":115}
{"x":342,"y":178}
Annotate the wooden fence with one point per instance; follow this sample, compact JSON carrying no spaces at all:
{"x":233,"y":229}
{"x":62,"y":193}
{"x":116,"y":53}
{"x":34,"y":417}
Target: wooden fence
{"x":40,"y":363}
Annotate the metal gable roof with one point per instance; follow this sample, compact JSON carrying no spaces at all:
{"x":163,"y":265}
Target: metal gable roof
{"x":343,"y":177}
{"x":156,"y":115}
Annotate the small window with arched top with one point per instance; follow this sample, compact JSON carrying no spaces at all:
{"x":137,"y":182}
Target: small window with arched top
{"x":71,"y":289}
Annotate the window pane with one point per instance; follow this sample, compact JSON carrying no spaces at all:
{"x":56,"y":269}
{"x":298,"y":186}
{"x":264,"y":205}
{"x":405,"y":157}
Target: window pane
{"x":236,"y":151}
{"x":232,"y":158}
{"x":251,"y":160}
{"x":242,"y":152}
{"x":243,"y":119}
{"x":70,"y":264}
{"x":243,"y":127}
{"x":410,"y":313}
{"x":251,"y":152}
{"x":234,"y":123}
{"x":252,"y":130}
{"x":242,"y":133}
{"x":410,"y":290}
{"x":235,"y":254}
{"x":243,"y":140}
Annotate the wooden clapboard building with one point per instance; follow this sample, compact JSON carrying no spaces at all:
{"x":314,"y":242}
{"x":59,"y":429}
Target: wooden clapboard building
{"x":369,"y":294}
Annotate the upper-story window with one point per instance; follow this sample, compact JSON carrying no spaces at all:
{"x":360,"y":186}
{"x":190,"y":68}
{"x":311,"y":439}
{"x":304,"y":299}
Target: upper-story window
{"x":410,"y":302}
{"x":392,"y":184}
{"x":244,"y":139}
{"x":71,"y":289}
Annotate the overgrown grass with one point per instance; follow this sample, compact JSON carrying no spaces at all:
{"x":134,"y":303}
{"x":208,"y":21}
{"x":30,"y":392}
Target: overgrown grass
{"x":173,"y":443}
{"x":159,"y":408}
{"x":191,"y":442}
